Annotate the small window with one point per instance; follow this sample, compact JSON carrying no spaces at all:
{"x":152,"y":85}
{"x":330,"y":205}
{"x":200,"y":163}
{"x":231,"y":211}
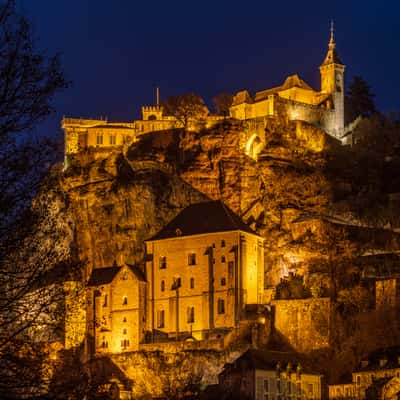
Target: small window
{"x":221,"y":306}
{"x":266,"y":385}
{"x":162,"y":285}
{"x":223,"y":259}
{"x":124,"y":301}
{"x":124,"y":331}
{"x":125,"y":276}
{"x":358,"y":380}
{"x":192,"y":259}
{"x":223,"y":243}
{"x":99,"y":139}
{"x":191,"y":283}
{"x":124,"y":343}
{"x":213,"y":245}
{"x":223,"y":281}
{"x":113,"y":139}
{"x":160,"y":319}
{"x":124,"y":320}
{"x":105,"y":301}
{"x":163,"y":262}
{"x":190,"y":315}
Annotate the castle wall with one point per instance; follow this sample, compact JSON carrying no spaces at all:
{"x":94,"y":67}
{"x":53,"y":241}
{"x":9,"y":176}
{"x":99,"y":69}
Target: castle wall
{"x":305,"y":323}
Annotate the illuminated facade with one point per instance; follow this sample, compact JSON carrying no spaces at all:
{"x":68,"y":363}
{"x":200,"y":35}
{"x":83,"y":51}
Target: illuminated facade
{"x":262,"y":375}
{"x":202,"y":270}
{"x":116,"y":309}
{"x":324,"y":108}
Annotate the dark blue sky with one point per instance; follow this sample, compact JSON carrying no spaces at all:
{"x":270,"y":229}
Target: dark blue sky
{"x":115,"y":51}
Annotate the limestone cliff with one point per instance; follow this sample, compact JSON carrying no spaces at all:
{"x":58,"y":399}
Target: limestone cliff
{"x":287,"y":193}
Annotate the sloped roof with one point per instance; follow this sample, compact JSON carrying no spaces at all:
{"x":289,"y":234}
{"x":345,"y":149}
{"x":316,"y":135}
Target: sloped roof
{"x":269,"y":360}
{"x":105,"y":275}
{"x":290,"y":82}
{"x":207,"y":217}
{"x":332,"y":57}
{"x":391,"y":354}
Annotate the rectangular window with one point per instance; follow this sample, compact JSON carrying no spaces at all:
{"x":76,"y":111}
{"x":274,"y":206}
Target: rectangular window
{"x":160,"y":319}
{"x":222,"y":243}
{"x":221,"y":306}
{"x":192,"y":259}
{"x":190,"y":315}
{"x":113,"y":139}
{"x":191,"y":283}
{"x":310,"y":389}
{"x":105,"y":301}
{"x":99,"y":139}
{"x":163,"y":262}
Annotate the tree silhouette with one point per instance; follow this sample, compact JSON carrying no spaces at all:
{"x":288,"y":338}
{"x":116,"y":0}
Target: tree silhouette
{"x":359,"y":100}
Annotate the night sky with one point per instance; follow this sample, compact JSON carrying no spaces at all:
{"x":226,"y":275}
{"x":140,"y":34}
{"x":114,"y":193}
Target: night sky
{"x":115,"y":52}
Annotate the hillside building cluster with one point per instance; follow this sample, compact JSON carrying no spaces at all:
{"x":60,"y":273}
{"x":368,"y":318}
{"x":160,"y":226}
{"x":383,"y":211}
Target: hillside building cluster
{"x":323,"y":108}
{"x":202,"y":279}
{"x":202,"y":271}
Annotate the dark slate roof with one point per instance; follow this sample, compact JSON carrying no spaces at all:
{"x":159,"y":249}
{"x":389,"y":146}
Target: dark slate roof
{"x":105,"y":275}
{"x":207,"y":217}
{"x":391,"y":354}
{"x":269,"y":360}
{"x":332,"y":57}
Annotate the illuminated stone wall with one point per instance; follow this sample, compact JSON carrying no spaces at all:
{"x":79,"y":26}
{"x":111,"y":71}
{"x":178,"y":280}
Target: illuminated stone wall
{"x":305,"y":324}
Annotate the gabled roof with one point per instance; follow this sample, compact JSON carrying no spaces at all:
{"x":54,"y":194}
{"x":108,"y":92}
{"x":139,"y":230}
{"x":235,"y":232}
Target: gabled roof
{"x":105,"y":275}
{"x":290,"y":82}
{"x":207,"y":217}
{"x":269,"y":360}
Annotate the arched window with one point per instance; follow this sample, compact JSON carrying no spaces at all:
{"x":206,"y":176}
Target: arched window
{"x":160,"y":319}
{"x":124,"y":301}
{"x":222,"y":259}
{"x":152,"y":117}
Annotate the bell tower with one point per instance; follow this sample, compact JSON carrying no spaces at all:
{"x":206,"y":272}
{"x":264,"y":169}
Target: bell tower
{"x":332,"y":83}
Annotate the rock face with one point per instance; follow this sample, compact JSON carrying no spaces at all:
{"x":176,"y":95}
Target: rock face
{"x":121,"y":199}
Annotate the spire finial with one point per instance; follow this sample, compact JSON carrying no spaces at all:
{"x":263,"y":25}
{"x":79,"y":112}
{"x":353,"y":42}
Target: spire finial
{"x":332,"y":38}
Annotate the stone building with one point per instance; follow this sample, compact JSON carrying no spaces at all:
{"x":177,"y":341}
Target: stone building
{"x":377,"y":373}
{"x":323,"y":108}
{"x":269,"y":375}
{"x":202,"y":271}
{"x":116,"y":315}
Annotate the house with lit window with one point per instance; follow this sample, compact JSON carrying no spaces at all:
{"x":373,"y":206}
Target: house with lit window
{"x":117,"y":309}
{"x":376,"y":374}
{"x":270,"y":375}
{"x":202,"y":269}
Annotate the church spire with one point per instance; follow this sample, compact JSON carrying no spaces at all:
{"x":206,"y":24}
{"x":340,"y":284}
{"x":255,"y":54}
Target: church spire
{"x":332,"y":56}
{"x":332,"y":43}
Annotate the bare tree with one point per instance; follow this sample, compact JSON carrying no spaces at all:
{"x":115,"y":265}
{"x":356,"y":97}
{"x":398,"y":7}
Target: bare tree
{"x":222,"y":103}
{"x":34,"y":232}
{"x":186,"y":108}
